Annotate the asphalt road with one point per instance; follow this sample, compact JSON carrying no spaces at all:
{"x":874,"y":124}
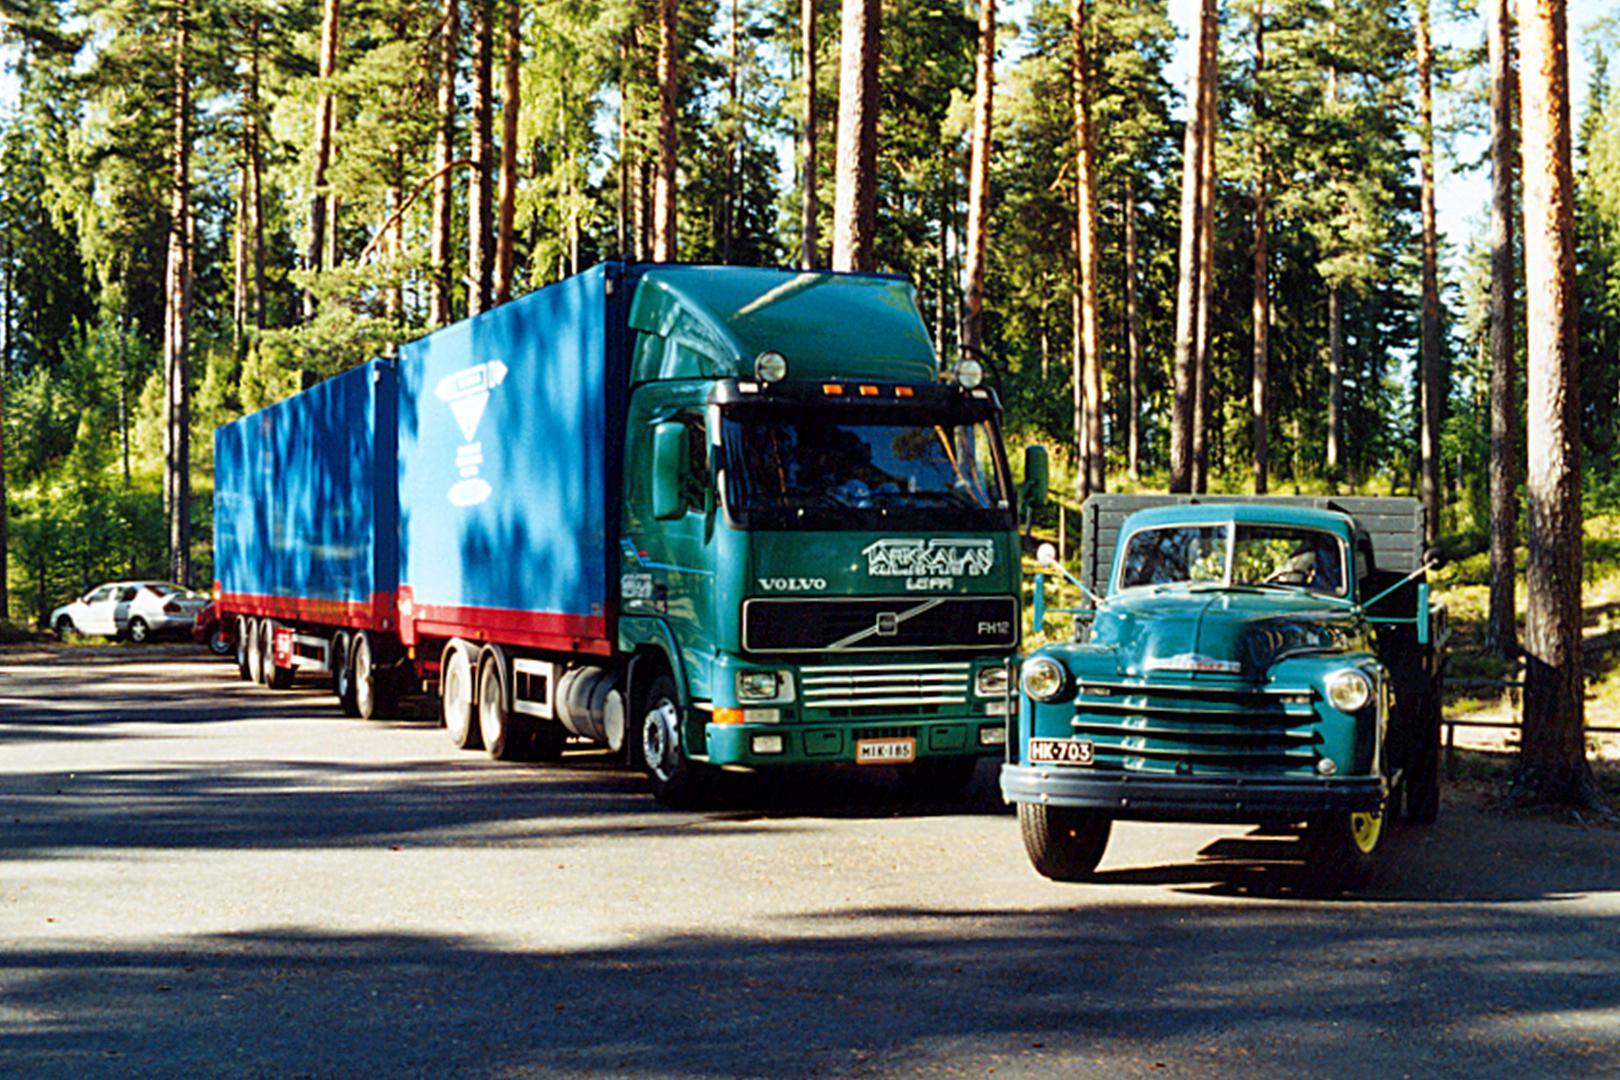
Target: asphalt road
{"x":204,"y":878}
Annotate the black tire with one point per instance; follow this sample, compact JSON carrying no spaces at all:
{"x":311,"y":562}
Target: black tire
{"x":676,"y":779}
{"x":255,"y":653}
{"x":1341,"y":849}
{"x":1063,"y":843}
{"x":275,"y":677}
{"x":376,"y":696}
{"x":219,"y":642}
{"x":243,"y":668}
{"x":139,"y":633}
{"x":343,"y":674}
{"x":1422,"y":783}
{"x":65,"y":629}
{"x":943,"y":779}
{"x":505,"y":734}
{"x":456,"y":710}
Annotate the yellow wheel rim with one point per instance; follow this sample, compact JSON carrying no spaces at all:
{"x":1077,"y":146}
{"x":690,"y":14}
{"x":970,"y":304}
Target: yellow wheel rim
{"x":1364,"y":831}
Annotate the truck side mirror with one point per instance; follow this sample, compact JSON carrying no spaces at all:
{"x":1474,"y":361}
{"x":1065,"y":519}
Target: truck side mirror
{"x":1037,"y":475}
{"x":1434,"y":558}
{"x":669,"y":466}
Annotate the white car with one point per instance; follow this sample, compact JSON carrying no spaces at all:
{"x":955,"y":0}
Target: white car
{"x":138,"y":609}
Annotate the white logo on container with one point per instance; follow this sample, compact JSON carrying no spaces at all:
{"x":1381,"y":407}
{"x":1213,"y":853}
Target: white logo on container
{"x":467,"y":394}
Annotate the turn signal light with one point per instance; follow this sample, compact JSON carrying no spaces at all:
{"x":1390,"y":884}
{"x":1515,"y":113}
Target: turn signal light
{"x":728,"y":716}
{"x":832,"y":389}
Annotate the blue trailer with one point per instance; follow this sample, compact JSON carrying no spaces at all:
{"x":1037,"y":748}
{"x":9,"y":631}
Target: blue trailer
{"x":712,"y":516}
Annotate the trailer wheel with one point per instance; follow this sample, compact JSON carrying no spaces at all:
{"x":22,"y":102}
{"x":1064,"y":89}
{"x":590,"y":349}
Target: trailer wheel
{"x":343,"y":673}
{"x":1341,"y":849}
{"x":255,"y":655}
{"x":275,"y":676}
{"x":1063,"y":843}
{"x":243,"y":667}
{"x":505,"y":734}
{"x":375,"y":697}
{"x":676,"y":779}
{"x":456,"y":699}
{"x":219,"y":642}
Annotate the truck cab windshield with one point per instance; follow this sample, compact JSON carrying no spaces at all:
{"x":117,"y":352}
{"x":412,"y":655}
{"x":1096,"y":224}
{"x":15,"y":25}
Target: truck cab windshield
{"x":862,"y":468}
{"x":1257,"y":555}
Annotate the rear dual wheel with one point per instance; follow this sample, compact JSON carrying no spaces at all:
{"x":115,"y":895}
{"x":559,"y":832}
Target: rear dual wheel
{"x":376,"y":696}
{"x":272,"y":675}
{"x":343,"y":673}
{"x":508,"y":735}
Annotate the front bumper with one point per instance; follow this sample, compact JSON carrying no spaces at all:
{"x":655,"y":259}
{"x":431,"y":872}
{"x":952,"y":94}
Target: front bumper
{"x":1222,"y":799}
{"x":818,"y":744}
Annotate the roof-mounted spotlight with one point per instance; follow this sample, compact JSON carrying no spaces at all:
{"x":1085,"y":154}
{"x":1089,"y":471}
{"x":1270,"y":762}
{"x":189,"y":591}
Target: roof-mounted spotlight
{"x":968,"y":374}
{"x":770,"y":367}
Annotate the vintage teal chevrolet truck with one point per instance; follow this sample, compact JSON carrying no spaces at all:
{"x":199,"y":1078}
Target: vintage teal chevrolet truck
{"x":1275,"y":661}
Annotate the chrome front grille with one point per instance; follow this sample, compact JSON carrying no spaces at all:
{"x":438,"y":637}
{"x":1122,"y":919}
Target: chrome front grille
{"x":1156,"y":726}
{"x":886,"y":687}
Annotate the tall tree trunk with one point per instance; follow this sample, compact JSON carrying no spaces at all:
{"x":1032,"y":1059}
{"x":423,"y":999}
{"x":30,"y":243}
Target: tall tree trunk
{"x":1501,"y":635}
{"x":855,"y":194}
{"x":1086,"y":252}
{"x":984,"y":87}
{"x":811,"y":208}
{"x":325,"y":110}
{"x":511,"y":100}
{"x":481,"y":189}
{"x":1133,"y":336}
{"x":1188,"y":288}
{"x":1430,"y":331}
{"x":1203,"y":381}
{"x":254,"y":160}
{"x":1261,"y":317}
{"x":5,"y":500}
{"x":942,"y":253}
{"x":395,"y":244}
{"x":442,"y":293}
{"x":239,"y":262}
{"x":625,"y":240}
{"x":728,"y":197}
{"x":177,"y":312}
{"x":663,"y":239}
{"x":1335,"y":445}
{"x":1552,"y":754}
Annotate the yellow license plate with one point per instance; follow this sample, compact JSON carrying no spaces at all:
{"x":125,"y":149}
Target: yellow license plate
{"x":885,"y":751}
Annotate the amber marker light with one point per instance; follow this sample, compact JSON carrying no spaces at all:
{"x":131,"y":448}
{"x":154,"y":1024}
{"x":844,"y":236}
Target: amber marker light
{"x":869,"y":391}
{"x":832,"y":389}
{"x":728,"y":716}
{"x":904,"y":391}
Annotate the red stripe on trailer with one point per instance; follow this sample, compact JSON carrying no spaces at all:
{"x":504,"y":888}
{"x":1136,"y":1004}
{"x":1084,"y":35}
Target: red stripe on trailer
{"x":531,"y":629}
{"x":379,"y":613}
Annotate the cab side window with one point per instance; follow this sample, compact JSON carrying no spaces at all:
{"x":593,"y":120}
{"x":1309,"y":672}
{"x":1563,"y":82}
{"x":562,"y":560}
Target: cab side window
{"x":696,"y":485}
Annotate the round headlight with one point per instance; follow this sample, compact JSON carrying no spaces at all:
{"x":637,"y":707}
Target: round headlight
{"x":969,"y":374}
{"x":1044,"y":679}
{"x":1349,"y":690}
{"x":770,"y":366}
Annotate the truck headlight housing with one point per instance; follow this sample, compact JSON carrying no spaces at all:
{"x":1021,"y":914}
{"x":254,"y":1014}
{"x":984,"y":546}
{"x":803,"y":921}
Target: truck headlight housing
{"x":1349,"y":690}
{"x":1044,"y":679}
{"x":755,"y":686}
{"x":991,"y":682}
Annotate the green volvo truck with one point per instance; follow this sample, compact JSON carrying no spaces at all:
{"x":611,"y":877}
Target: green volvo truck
{"x":1273,"y":660}
{"x":709,"y":516}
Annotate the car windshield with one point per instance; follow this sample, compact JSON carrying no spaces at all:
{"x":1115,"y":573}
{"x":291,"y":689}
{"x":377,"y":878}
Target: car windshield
{"x":1247,"y":555}
{"x":878,"y":467}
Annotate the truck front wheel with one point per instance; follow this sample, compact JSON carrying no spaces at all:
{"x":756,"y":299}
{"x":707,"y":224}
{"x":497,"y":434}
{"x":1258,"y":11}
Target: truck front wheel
{"x":1063,"y":843}
{"x":1340,"y":849}
{"x":676,"y":779}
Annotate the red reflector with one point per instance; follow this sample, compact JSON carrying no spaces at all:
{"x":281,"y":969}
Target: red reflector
{"x":903,"y":391}
{"x":832,"y":389}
